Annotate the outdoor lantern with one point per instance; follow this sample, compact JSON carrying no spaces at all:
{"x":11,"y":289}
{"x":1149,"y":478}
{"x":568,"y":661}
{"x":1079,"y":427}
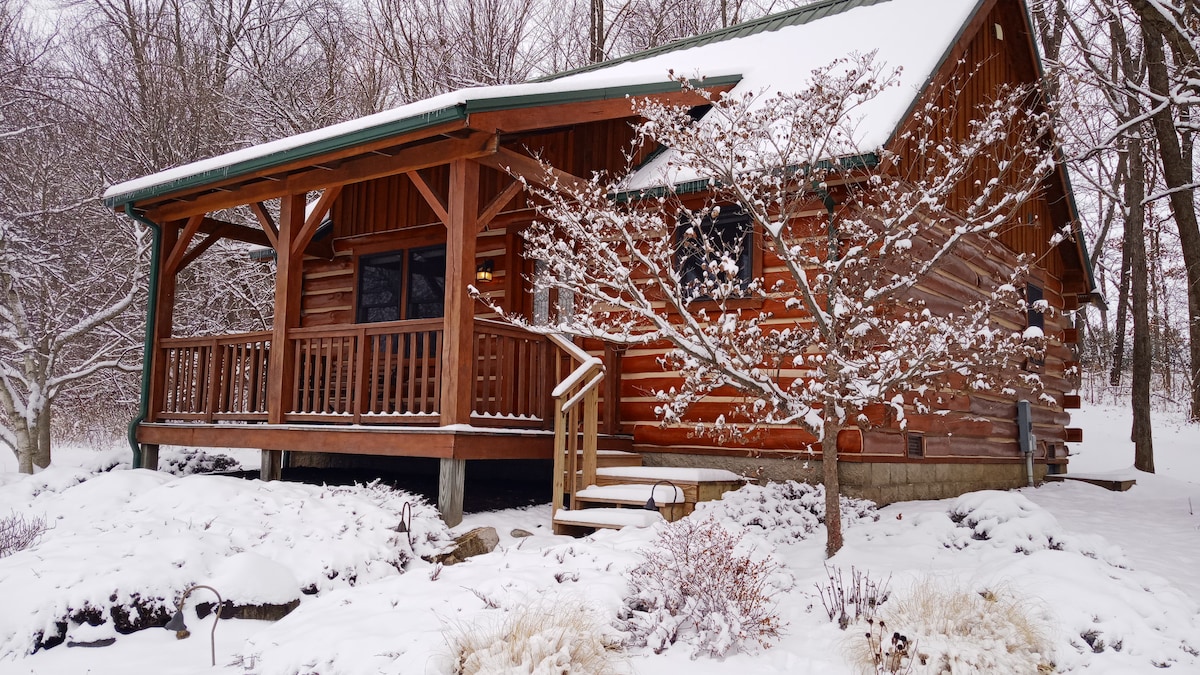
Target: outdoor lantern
{"x":650,"y":505}
{"x":177,"y":624}
{"x":483,"y":273}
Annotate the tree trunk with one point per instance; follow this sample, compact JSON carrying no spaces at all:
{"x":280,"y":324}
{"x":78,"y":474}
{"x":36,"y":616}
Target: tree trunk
{"x":41,"y":450}
{"x":1177,"y":173}
{"x":1135,"y":194}
{"x":1118,"y":353}
{"x":596,"y":35}
{"x":833,"y":491}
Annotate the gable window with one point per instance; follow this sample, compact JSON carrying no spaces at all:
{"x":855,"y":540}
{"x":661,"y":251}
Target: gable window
{"x":1033,"y":314}
{"x":710,"y":247}
{"x":402,"y":285}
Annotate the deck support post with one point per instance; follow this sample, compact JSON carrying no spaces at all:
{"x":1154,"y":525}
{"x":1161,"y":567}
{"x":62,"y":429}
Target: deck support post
{"x":452,"y":476}
{"x":272,"y":465}
{"x":149,"y":457}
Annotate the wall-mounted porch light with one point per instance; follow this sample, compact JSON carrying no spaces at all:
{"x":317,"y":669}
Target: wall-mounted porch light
{"x":483,"y":273}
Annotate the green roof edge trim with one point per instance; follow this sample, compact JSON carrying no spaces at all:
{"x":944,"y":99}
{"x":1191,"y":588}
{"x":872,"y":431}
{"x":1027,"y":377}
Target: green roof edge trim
{"x":864,"y":161}
{"x":764,"y":24}
{"x":403,"y":126}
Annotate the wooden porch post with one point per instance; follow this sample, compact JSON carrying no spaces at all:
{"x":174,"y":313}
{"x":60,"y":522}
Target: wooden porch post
{"x":281,"y":375}
{"x":458,"y":372}
{"x":452,"y":477}
{"x":164,"y":324}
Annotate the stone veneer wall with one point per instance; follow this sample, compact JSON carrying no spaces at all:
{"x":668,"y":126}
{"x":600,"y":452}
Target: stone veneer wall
{"x":881,"y":482}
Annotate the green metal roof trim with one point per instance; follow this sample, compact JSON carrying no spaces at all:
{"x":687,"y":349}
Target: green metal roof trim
{"x":864,"y":161}
{"x":766,"y":24}
{"x":403,"y":126}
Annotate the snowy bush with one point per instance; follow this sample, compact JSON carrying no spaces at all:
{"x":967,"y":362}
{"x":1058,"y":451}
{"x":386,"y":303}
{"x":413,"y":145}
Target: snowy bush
{"x":783,"y":513}
{"x":18,"y":533}
{"x":148,"y":536}
{"x":956,"y":631}
{"x":191,"y":461}
{"x":699,"y":585}
{"x":557,"y":638}
{"x":1010,"y":520}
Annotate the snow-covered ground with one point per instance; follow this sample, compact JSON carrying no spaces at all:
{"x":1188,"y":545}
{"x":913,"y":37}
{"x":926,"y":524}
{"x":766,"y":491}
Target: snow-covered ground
{"x":1109,"y":578}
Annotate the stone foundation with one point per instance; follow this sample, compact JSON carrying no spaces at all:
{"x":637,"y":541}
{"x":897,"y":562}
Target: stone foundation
{"x":881,"y":482}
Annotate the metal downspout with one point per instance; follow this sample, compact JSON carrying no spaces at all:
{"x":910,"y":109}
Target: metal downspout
{"x":148,"y":342}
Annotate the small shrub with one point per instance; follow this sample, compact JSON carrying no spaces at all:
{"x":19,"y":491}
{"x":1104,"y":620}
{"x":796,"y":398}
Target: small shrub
{"x":18,"y":533}
{"x":697,"y":585}
{"x":850,"y":603}
{"x":959,"y":631}
{"x":558,"y":638}
{"x":192,"y":461}
{"x":783,"y":513}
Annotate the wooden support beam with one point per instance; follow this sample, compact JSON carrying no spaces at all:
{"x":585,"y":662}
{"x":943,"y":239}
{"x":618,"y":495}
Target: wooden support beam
{"x":1074,"y":434}
{"x":515,"y":164}
{"x":366,"y":167}
{"x":458,"y":376}
{"x":268,"y":223}
{"x":498,"y":203}
{"x":197,"y":251}
{"x":542,"y":117}
{"x":287,"y":310}
{"x":1072,"y":401}
{"x":272,"y":465}
{"x":432,"y":198}
{"x":171,"y":266}
{"x":164,"y":303}
{"x":149,"y":457}
{"x":313,"y":221}
{"x":452,"y":480}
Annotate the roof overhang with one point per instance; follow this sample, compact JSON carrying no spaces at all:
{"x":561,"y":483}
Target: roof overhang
{"x":309,"y":149}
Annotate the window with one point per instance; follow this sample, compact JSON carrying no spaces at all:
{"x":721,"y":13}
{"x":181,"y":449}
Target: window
{"x":915,"y":445}
{"x":402,"y":284}
{"x":726,"y":236}
{"x":1034,"y":317}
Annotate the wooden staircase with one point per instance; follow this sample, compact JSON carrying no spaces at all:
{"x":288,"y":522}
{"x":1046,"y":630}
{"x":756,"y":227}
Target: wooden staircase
{"x":611,"y":488}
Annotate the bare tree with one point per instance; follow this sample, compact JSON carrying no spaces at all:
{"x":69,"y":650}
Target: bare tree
{"x":68,"y":271}
{"x":657,"y":272}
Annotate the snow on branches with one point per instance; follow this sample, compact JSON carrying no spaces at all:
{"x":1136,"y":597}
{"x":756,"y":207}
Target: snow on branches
{"x":838,"y":320}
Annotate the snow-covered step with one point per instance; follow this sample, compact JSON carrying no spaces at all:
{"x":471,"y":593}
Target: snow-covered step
{"x":671,"y":502}
{"x":613,"y":519}
{"x":632,"y":494}
{"x":677,"y":474}
{"x":698,"y":485}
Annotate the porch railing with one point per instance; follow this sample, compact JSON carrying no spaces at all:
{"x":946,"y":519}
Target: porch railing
{"x":381,"y":373}
{"x":216,"y":378}
{"x":368,"y":372}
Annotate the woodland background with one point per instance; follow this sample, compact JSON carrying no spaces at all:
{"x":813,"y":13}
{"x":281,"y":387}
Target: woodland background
{"x":93,"y":92}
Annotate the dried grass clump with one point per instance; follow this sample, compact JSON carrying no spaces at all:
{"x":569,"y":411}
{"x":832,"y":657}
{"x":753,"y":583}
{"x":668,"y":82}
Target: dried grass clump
{"x":954,"y":630}
{"x":544,"y":639}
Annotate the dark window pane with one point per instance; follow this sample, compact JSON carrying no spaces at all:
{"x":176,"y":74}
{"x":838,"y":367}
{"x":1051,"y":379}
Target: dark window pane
{"x":427,"y":282}
{"x":1034,"y":317}
{"x":726,"y":236}
{"x":379,"y":282}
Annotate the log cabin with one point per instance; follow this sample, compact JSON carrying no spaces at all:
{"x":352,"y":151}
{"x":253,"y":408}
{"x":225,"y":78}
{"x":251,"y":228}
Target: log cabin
{"x":380,"y":225}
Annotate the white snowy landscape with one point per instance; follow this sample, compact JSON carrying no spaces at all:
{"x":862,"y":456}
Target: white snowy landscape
{"x":1098,"y":581}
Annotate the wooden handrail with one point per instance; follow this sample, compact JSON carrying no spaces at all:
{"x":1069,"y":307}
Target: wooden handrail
{"x":578,"y":389}
{"x":202,"y":340}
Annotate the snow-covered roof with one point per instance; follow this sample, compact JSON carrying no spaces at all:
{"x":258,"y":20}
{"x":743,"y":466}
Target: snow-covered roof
{"x":777,"y":53}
